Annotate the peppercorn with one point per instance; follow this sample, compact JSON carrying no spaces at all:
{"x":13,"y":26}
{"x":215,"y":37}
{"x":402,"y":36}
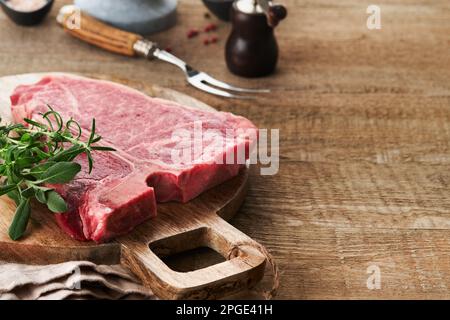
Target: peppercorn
{"x":210,"y":27}
{"x":192,"y":33}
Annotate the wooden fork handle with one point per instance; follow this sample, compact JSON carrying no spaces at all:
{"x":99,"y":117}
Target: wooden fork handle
{"x":88,"y":29}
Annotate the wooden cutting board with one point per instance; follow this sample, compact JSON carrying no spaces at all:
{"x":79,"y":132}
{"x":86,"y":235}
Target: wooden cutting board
{"x":177,"y":228}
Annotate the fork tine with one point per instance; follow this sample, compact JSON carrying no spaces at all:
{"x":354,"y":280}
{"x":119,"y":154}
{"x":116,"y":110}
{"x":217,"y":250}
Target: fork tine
{"x":202,"y":86}
{"x":206,"y":77}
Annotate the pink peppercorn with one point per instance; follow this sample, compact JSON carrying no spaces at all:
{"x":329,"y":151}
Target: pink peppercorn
{"x":192,"y":33}
{"x":210,"y":27}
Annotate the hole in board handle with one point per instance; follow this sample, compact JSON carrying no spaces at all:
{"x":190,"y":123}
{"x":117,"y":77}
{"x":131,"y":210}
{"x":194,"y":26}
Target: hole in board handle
{"x":192,"y":250}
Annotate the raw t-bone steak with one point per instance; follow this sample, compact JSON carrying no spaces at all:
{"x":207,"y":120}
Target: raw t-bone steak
{"x":125,"y":185}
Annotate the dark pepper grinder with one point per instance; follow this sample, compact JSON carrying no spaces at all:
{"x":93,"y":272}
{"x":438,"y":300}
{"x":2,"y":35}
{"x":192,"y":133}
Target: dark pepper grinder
{"x":251,"y":49}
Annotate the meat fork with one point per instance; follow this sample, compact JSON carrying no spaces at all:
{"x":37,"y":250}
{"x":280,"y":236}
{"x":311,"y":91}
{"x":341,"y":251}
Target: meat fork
{"x":126,"y":43}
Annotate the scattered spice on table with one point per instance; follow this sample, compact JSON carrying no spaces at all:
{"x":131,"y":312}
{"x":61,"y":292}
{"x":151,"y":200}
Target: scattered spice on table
{"x":211,"y":27}
{"x":192,"y":33}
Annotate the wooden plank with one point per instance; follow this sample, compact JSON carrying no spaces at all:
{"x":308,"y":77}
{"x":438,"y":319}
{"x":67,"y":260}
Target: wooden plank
{"x":332,"y":263}
{"x":356,"y":195}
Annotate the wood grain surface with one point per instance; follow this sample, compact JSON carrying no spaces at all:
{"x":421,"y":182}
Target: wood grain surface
{"x":365,"y":129}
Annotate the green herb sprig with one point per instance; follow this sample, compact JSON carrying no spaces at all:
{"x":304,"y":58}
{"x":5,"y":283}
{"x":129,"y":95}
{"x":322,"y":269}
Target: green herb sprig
{"x":36,"y":156}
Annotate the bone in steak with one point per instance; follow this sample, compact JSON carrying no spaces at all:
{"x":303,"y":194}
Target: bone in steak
{"x":124,"y":186}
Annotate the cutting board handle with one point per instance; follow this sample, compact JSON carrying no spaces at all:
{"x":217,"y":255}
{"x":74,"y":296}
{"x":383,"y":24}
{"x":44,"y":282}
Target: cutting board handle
{"x":88,"y":29}
{"x":243,"y":268}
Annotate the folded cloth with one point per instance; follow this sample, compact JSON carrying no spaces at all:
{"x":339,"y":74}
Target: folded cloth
{"x":69,"y":280}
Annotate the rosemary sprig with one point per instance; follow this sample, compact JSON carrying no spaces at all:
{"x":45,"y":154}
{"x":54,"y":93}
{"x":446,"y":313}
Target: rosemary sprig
{"x":39,"y":155}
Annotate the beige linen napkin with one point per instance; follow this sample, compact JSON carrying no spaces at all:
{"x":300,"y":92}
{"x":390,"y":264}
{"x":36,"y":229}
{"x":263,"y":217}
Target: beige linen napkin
{"x":70,"y":280}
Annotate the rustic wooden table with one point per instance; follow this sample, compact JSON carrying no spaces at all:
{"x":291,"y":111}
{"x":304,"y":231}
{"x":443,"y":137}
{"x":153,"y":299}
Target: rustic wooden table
{"x":364,"y":115}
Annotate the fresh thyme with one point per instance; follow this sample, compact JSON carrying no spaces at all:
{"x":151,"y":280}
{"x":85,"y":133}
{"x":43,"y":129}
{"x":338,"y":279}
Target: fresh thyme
{"x":38,"y":155}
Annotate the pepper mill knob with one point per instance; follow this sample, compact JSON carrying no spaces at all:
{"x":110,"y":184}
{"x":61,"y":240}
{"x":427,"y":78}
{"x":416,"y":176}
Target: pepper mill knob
{"x":276,"y":14}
